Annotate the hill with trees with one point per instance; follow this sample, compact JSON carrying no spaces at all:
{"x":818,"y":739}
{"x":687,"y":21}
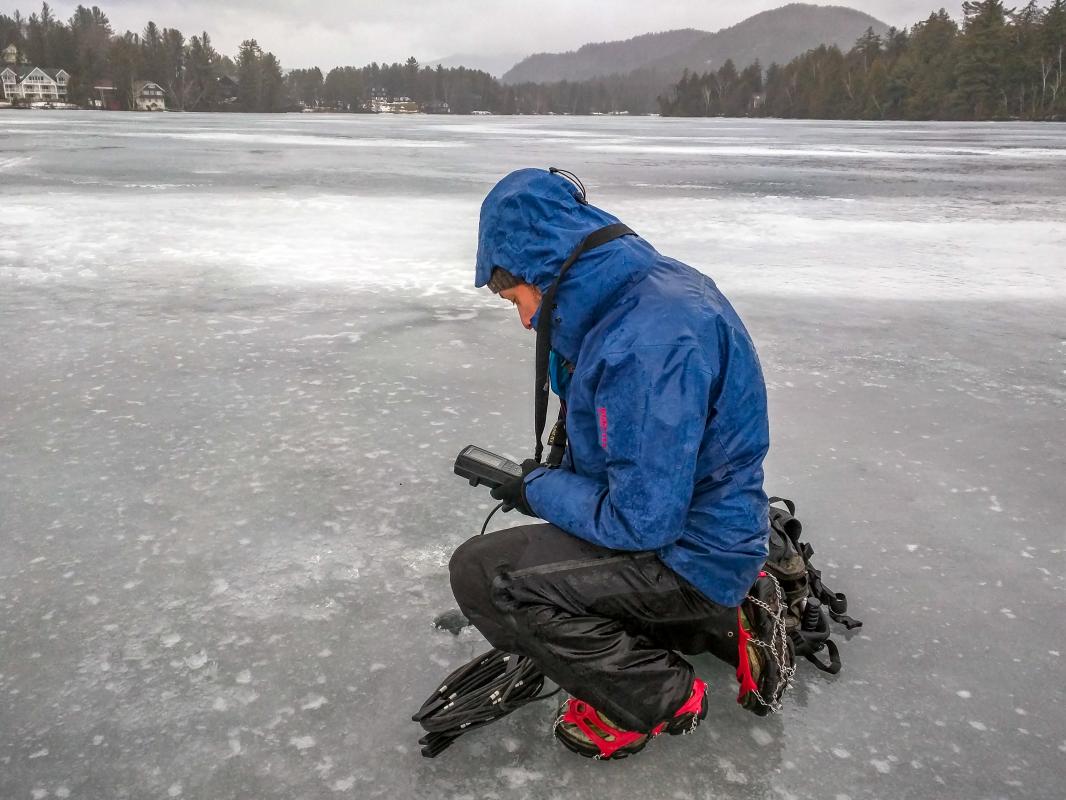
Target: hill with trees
{"x":999,"y":63}
{"x":600,"y":59}
{"x":777,"y":35}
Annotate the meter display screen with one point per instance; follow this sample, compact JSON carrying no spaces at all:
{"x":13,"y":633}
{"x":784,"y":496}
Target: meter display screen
{"x":479,"y":466}
{"x":492,"y":460}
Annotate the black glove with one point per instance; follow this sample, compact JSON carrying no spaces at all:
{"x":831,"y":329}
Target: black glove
{"x":513,"y":492}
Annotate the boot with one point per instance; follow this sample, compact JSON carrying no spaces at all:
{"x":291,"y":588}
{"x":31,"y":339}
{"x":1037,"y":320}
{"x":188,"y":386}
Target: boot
{"x":765,"y":651}
{"x":587,"y":732}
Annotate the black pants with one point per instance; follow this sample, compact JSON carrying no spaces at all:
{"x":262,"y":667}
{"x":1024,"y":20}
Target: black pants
{"x":605,"y":625}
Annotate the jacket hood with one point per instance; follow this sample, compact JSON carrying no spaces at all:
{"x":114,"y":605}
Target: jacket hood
{"x":530,"y":223}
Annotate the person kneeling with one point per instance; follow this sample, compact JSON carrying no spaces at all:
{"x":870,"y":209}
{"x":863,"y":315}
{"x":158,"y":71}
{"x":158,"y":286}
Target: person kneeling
{"x":656,"y":522}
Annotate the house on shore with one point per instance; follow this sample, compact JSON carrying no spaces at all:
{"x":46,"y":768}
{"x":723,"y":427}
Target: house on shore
{"x":106,"y":96}
{"x":381,"y":103}
{"x":379,"y":100}
{"x":228,"y":90}
{"x":149,"y":96}
{"x":402,"y":105}
{"x":30,"y":84}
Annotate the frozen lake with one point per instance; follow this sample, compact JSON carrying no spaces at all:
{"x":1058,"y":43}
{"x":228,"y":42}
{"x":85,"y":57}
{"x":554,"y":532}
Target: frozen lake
{"x":240,"y":354}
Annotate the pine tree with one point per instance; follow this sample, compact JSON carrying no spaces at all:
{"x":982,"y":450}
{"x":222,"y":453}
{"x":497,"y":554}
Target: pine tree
{"x":1053,"y":58}
{"x":153,"y":57}
{"x":249,"y":75}
{"x":90,"y":41}
{"x":173,"y":77}
{"x":124,"y":62}
{"x":983,"y":50}
{"x":201,"y":74}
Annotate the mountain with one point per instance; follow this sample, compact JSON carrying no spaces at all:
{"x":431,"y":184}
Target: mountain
{"x":602,"y":58}
{"x":777,"y":35}
{"x":495,"y":65}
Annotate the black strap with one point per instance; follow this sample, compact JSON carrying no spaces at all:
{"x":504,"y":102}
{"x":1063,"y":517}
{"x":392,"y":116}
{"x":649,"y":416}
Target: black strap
{"x":833,"y":667}
{"x":835,"y":602}
{"x":557,"y":439}
{"x":597,"y":238}
{"x":788,"y":504}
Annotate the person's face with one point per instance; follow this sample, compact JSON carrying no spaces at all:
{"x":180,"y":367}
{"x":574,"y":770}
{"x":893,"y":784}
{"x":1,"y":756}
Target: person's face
{"x":526,"y":298}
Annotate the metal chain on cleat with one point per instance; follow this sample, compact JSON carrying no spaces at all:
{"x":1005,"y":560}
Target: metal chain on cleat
{"x":777,"y":645}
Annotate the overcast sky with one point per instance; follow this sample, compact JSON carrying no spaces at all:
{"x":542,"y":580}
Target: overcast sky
{"x":328,"y":33}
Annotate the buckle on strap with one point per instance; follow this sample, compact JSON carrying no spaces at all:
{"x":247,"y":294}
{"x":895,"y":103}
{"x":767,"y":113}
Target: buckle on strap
{"x":584,"y":716}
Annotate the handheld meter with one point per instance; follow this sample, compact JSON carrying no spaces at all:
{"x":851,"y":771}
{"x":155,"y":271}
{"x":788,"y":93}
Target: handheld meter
{"x":482,"y":467}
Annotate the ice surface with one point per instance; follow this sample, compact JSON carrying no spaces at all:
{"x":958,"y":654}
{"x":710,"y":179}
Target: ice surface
{"x":236,"y":371}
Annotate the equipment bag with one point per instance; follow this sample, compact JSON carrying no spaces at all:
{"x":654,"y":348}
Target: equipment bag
{"x":810,"y":603}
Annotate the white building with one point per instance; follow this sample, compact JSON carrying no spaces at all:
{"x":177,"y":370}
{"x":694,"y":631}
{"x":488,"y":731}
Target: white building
{"x":148,"y":96}
{"x":34,"y":84}
{"x":401,"y":105}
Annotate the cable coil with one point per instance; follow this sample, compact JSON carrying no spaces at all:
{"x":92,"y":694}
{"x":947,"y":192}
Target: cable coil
{"x":480,"y":692}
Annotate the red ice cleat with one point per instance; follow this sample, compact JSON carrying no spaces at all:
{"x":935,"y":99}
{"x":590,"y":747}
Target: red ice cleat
{"x":765,"y":654}
{"x":587,"y":732}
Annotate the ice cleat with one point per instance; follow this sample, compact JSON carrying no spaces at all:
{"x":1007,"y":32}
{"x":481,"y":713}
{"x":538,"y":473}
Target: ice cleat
{"x":764,"y":649}
{"x":587,"y":732}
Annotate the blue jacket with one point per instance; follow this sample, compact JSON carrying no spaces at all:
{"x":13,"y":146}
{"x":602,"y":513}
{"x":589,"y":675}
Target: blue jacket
{"x":666,"y":408}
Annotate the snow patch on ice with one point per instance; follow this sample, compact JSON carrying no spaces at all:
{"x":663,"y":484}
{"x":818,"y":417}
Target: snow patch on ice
{"x":343,"y":784}
{"x":350,"y":336}
{"x":517,"y":777}
{"x":11,"y":163}
{"x":762,"y":736}
{"x":732,"y":774}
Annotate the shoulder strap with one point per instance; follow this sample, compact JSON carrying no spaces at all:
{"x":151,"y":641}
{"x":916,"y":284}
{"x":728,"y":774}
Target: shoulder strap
{"x":597,"y":238}
{"x":788,"y":503}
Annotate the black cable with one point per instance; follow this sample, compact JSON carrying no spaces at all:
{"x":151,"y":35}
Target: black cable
{"x":486,"y":525}
{"x":480,"y":692}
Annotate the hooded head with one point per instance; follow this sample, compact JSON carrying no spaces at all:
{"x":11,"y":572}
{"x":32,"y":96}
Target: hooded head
{"x":530,"y":223}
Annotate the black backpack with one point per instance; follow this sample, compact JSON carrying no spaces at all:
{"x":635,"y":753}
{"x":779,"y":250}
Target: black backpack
{"x":810,"y":602}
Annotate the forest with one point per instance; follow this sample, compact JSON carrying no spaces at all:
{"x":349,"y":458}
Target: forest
{"x":196,"y":77}
{"x":999,"y":63}
{"x":994,"y":63}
